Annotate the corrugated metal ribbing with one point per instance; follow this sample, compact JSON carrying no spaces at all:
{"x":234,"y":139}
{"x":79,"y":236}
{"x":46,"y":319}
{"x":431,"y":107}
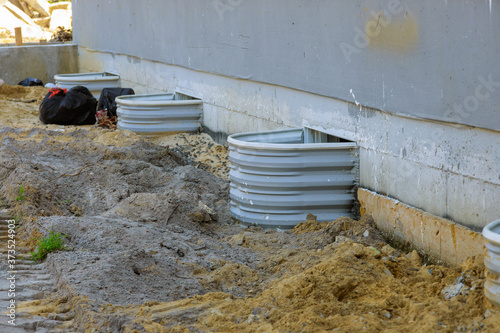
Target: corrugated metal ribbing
{"x":94,"y":82}
{"x":492,"y":262}
{"x":277,"y":184}
{"x":158,"y":113}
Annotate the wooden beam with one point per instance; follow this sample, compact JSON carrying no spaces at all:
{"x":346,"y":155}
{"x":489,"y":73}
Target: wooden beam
{"x":19,"y":14}
{"x":26,"y":8}
{"x":41,"y":6}
{"x":19,"y":36}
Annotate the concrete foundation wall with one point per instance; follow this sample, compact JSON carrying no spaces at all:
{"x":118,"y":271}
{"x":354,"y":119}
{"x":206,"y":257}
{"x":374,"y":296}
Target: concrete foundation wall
{"x":424,"y":59}
{"x":40,"y":61}
{"x":449,"y":170}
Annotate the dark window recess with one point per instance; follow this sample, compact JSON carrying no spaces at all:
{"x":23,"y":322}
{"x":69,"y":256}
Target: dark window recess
{"x":314,"y":136}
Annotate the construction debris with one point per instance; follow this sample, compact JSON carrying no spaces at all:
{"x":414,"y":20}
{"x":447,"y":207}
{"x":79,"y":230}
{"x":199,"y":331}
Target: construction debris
{"x":103,"y":120}
{"x":62,"y":35}
{"x":37,"y":19}
{"x":40,"y":6}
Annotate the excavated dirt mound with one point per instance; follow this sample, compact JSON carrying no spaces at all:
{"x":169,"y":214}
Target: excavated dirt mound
{"x":122,"y":262}
{"x":22,"y":94}
{"x":19,"y":105}
{"x":150,"y":245}
{"x":198,"y":150}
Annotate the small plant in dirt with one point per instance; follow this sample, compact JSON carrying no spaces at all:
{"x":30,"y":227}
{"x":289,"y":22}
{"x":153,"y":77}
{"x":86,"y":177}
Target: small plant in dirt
{"x":45,"y":245}
{"x":21,"y":193}
{"x":63,"y":202}
{"x":21,"y":196}
{"x":17,"y":221}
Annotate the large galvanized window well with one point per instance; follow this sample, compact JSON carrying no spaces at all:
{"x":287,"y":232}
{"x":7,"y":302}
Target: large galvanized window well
{"x":279,"y":177}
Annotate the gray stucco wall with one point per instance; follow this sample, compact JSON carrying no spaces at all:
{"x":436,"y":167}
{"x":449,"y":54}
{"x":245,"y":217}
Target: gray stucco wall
{"x":39,"y":61}
{"x":443,"y":167}
{"x":425,"y":59}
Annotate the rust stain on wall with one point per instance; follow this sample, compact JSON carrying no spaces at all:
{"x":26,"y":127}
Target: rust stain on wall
{"x":396,"y":34}
{"x":453,"y":235}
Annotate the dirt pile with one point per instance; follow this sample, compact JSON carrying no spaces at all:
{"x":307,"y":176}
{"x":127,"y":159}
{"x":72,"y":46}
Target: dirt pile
{"x":355,"y":288}
{"x":345,"y":287}
{"x":19,"y":105}
{"x":198,"y":150}
{"x":78,"y":176}
{"x":22,"y":94}
{"x":323,"y":233}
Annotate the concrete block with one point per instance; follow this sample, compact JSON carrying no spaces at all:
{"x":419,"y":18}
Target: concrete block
{"x":210,"y":115}
{"x":404,"y":180}
{"x":470,"y":199}
{"x":60,"y":18}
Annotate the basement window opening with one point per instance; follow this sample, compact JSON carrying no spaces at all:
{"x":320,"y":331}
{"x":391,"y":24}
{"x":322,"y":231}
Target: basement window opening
{"x":315,"y":136}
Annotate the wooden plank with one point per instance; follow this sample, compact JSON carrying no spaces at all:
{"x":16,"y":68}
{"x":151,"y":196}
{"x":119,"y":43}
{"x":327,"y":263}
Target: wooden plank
{"x":19,"y":36}
{"x":15,"y":3}
{"x":26,"y":8}
{"x":41,"y":6}
{"x":19,"y":14}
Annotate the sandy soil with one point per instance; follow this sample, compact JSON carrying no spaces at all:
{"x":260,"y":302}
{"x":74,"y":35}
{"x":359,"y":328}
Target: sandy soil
{"x":152,"y":247}
{"x":199,"y":150}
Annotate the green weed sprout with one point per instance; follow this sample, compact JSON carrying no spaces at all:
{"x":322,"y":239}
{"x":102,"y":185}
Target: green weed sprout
{"x":21,"y":196}
{"x":48,"y":244}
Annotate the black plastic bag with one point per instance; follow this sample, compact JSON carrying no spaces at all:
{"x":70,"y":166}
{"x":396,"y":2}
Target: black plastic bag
{"x":30,"y":82}
{"x":75,"y":107}
{"x":108,"y":96}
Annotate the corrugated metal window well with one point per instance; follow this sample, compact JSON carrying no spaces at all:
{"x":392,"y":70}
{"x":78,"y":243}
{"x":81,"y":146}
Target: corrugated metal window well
{"x":491,"y":234}
{"x":94,"y":82}
{"x":159,"y":113}
{"x":279,"y":177}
